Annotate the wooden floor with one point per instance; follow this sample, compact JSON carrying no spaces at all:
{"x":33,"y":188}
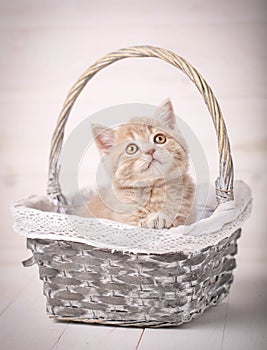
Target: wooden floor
{"x":45,"y":46}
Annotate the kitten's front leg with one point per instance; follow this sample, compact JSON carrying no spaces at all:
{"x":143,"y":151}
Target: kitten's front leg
{"x":156,"y":220}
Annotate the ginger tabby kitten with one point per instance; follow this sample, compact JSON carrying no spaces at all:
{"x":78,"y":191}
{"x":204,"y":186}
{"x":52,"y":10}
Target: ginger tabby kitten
{"x":147,"y":163}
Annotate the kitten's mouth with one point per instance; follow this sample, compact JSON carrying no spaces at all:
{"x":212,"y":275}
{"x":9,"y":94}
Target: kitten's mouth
{"x":152,"y":161}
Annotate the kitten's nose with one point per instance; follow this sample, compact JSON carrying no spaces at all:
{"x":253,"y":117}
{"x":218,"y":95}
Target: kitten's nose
{"x":150,"y":151}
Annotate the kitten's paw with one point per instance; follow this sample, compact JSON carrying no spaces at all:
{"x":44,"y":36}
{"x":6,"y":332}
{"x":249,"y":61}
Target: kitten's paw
{"x":156,"y":220}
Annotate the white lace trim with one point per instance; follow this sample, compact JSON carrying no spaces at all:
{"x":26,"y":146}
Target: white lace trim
{"x":34,"y":218}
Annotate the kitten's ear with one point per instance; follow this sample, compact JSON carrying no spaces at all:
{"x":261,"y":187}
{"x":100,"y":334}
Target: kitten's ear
{"x":165,"y":114}
{"x":104,"y":137}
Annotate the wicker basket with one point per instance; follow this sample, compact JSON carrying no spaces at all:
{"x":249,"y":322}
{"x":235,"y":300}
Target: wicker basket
{"x":165,"y":278}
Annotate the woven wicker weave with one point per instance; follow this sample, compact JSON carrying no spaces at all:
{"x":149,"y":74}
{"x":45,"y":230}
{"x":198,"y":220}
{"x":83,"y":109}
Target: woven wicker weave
{"x":85,"y":284}
{"x":99,"y":284}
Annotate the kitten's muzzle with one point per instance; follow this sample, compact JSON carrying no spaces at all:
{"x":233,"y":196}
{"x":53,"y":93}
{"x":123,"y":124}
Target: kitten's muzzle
{"x":151,"y":151}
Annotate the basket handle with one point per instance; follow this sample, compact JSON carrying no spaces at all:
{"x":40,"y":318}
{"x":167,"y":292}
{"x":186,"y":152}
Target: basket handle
{"x":224,"y":183}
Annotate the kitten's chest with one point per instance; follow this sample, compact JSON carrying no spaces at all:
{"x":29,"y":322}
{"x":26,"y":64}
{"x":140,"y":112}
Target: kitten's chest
{"x":151,"y":200}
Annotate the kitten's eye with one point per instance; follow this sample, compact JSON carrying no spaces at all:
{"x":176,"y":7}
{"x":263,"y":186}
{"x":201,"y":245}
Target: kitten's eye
{"x":131,"y":149}
{"x":160,"y":138}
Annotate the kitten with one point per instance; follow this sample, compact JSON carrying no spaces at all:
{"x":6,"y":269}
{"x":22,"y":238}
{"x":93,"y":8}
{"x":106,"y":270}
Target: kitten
{"x":147,"y":162}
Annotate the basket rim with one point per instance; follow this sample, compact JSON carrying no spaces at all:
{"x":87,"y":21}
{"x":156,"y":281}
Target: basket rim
{"x":225,"y":219}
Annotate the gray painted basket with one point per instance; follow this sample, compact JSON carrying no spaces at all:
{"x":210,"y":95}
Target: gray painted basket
{"x":92,"y":285}
{"x":99,"y":284}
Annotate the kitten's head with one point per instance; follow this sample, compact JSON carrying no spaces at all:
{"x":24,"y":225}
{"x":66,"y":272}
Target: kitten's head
{"x":145,"y":150}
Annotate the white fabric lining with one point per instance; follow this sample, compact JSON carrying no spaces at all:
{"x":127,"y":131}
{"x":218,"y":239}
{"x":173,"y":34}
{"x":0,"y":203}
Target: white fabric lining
{"x":35,"y":217}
